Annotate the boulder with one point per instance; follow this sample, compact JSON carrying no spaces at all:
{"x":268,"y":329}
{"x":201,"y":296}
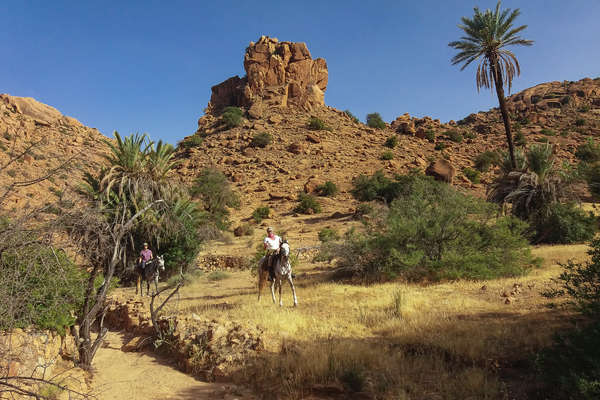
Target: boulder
{"x":277,"y":74}
{"x":441,"y":170}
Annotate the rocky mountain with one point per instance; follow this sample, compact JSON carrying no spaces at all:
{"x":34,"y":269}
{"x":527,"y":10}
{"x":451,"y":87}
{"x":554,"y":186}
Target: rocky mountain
{"x":284,"y":89}
{"x":49,"y":141}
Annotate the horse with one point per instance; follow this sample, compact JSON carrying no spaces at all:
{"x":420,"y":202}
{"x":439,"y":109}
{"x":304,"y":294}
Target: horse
{"x":282,"y":269}
{"x":150,"y":273}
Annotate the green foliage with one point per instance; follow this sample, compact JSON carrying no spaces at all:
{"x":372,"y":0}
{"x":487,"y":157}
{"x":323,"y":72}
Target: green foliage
{"x":584,"y":109}
{"x":470,"y":135}
{"x":591,"y":174}
{"x":391,"y":142}
{"x":432,"y":231}
{"x":387,"y":155}
{"x":327,"y":189}
{"x":454,"y":136}
{"x":316,"y":124}
{"x":374,"y":120}
{"x":352,"y":116}
{"x":580,"y":122}
{"x":430,"y":135}
{"x":485,"y":160}
{"x":363,"y":209}
{"x":41,"y":287}
{"x":261,"y":213}
{"x":563,"y":224}
{"x":520,"y":139}
{"x":216,"y":194}
{"x":328,"y":234}
{"x":440,"y":146}
{"x":218,"y":276}
{"x":262,"y":139}
{"x":548,"y":132}
{"x":472,"y":174}
{"x":588,"y":151}
{"x":307,"y":204}
{"x":193,"y":141}
{"x":232,"y":117}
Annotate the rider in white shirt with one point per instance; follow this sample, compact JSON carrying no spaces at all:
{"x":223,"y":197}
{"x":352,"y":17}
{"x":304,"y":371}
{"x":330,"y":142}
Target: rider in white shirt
{"x":271,"y":244}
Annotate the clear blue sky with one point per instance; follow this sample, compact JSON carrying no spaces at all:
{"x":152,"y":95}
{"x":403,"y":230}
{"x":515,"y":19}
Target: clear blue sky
{"x":148,"y":66}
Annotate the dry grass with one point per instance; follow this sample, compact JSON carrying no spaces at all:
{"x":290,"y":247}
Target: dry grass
{"x":444,"y":341}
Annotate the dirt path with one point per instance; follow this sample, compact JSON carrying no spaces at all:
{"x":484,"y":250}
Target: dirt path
{"x":141,"y":376}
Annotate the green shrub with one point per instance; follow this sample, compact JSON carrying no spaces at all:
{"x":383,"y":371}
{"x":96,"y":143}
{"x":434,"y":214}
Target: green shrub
{"x":379,"y":187}
{"x":454,"y":136}
{"x":352,"y":116}
{"x":327,"y":189}
{"x":433,"y":231}
{"x":472,"y":174}
{"x":563,"y":224}
{"x":470,"y":135}
{"x":542,"y":140}
{"x":328,"y":235}
{"x":430,"y":135}
{"x":440,"y":146}
{"x":584,"y":109}
{"x":485,"y":160}
{"x":316,"y":124}
{"x":193,"y":141}
{"x":232,"y":116}
{"x":374,"y":120}
{"x":307,"y":204}
{"x":363,"y":209}
{"x":387,"y":155}
{"x":261,"y":213}
{"x":216,"y":194}
{"x":524,"y":120}
{"x":579,"y":122}
{"x":564,"y":133}
{"x":391,"y":142}
{"x":548,"y":132}
{"x":262,"y":139}
{"x":218,"y":276}
{"x":591,"y":174}
{"x":588,"y":151}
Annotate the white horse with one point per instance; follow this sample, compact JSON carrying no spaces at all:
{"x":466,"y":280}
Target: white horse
{"x":283,"y":270}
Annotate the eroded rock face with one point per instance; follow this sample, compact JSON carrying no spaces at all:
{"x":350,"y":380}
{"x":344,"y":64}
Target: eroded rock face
{"x":277,"y":74}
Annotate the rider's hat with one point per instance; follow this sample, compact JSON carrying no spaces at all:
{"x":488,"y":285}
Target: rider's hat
{"x":145,"y":244}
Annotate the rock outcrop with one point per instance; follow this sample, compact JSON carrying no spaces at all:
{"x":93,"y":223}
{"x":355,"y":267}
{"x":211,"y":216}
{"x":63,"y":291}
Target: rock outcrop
{"x":277,"y":74}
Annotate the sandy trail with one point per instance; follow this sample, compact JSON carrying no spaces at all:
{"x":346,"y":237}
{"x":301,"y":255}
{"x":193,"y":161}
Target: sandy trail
{"x":141,"y":376}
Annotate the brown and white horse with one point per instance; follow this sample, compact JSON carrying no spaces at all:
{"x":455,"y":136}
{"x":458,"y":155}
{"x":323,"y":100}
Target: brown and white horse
{"x":283,"y":270}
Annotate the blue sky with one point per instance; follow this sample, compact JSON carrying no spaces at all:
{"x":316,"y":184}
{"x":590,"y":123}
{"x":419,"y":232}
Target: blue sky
{"x":148,"y":66}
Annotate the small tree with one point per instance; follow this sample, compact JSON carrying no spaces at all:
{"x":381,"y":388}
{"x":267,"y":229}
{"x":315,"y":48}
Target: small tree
{"x":374,"y":120}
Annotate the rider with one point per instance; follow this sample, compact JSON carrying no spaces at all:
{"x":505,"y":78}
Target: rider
{"x":271,"y":244}
{"x":145,"y":256}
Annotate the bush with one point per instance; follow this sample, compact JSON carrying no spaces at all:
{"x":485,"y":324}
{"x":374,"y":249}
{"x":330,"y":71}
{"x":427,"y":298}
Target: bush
{"x":261,"y":213}
{"x":217,"y":276}
{"x":470,"y":135}
{"x":548,"y":132}
{"x":262,"y":139}
{"x":387,"y":155}
{"x":584,"y":109}
{"x":244,"y":230}
{"x":432,"y":231}
{"x":588,"y":151}
{"x":579,"y":122}
{"x":374,"y":120}
{"x":363,"y":209}
{"x":327,"y":189}
{"x":520,"y":139}
{"x":440,"y":146}
{"x":591,"y":173}
{"x":316,"y":124}
{"x":307,"y":204}
{"x":193,"y":141}
{"x":430,"y":135}
{"x":232,"y":116}
{"x":454,"y":136}
{"x":216,"y":194}
{"x":352,"y":116}
{"x":485,"y":160}
{"x":563,"y":224}
{"x":472,"y":174}
{"x":328,"y":235}
{"x":391,"y":142}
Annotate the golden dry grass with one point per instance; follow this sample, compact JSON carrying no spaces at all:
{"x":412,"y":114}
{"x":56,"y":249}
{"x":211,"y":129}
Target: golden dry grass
{"x":444,"y":341}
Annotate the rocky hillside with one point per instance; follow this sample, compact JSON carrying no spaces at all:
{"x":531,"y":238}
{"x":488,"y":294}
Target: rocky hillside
{"x":279,"y":96}
{"x":53,"y":140}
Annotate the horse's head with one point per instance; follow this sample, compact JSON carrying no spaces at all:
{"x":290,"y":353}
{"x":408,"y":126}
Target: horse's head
{"x":284,"y":249}
{"x":161,"y":262}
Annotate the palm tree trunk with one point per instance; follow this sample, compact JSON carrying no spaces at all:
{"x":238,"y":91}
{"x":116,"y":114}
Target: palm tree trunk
{"x":504,"y":112}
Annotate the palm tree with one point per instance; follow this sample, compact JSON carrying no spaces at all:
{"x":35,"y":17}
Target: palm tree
{"x":487,"y":36}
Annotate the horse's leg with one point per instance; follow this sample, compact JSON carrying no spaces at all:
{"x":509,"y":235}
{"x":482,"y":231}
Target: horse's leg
{"x":289,"y":278}
{"x":280,"y":284}
{"x":138,"y":284}
{"x":156,"y":283}
{"x":147,"y":287}
{"x":273,"y":290}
